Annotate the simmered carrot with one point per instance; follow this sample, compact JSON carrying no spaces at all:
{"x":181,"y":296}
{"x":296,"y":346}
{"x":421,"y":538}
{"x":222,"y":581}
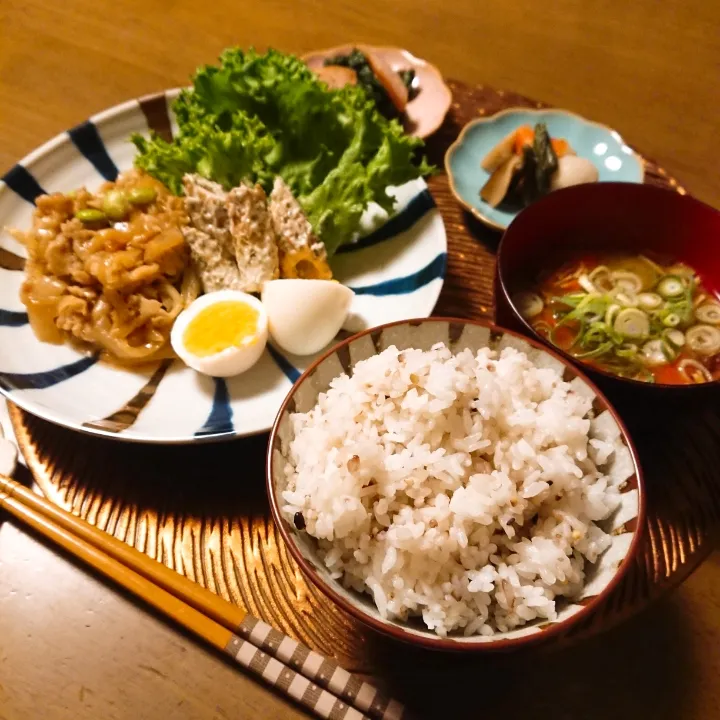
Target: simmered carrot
{"x":560,"y":146}
{"x":669,"y":375}
{"x":524,"y":135}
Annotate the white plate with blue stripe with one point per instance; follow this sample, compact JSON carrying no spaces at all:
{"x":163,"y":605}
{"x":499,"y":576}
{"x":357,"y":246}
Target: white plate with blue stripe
{"x":396,"y":269}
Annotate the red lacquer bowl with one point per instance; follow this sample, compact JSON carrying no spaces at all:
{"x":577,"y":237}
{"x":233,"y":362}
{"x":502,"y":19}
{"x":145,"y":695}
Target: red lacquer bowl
{"x":606,"y":217}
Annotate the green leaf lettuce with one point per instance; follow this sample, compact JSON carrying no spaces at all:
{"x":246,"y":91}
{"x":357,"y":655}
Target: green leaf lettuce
{"x":256,"y":116}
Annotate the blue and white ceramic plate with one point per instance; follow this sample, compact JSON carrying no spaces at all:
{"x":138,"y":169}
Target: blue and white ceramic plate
{"x":396,"y":270}
{"x":615,"y":160}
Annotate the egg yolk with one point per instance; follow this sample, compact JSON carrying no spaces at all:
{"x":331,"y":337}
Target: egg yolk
{"x":221,"y":326}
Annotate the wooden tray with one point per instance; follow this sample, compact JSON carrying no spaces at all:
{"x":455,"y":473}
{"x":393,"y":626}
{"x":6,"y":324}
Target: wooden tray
{"x":203,"y":511}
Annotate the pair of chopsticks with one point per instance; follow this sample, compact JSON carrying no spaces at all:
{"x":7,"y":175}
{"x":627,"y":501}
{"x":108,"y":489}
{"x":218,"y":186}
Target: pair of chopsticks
{"x":317,"y":683}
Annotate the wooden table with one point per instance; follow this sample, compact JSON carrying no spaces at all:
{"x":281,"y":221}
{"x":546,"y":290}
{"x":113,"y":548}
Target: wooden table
{"x":71,"y":646}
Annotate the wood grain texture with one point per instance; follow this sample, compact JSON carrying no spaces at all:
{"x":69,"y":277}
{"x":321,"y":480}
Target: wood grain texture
{"x":649,"y":69}
{"x":72,"y":648}
{"x":95,"y":653}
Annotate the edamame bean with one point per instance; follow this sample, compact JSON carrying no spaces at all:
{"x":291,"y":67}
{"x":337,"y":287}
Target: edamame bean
{"x":90,"y":215}
{"x":115,"y":204}
{"x":142,"y":195}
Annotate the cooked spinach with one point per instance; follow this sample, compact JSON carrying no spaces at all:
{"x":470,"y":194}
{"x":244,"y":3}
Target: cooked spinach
{"x":546,"y":161}
{"x":529,"y":172}
{"x":532,"y":179}
{"x":357,"y":61}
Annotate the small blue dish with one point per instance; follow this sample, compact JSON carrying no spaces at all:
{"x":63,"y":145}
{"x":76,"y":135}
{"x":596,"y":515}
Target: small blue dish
{"x":614,"y":159}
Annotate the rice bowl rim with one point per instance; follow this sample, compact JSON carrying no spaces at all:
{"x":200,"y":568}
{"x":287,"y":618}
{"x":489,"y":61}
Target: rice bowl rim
{"x":428,"y":639}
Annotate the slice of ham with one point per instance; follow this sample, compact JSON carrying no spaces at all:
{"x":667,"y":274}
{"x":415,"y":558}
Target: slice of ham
{"x":336,"y":77}
{"x":387,"y":77}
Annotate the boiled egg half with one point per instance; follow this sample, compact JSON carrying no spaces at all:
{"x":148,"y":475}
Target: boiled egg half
{"x":305,"y":315}
{"x":221,"y":334}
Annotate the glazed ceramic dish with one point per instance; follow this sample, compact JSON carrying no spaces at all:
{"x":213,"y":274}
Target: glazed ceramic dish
{"x":396,"y":270}
{"x":426,"y":112}
{"x":614,"y":160}
{"x":603,"y":218}
{"x":601,"y":577}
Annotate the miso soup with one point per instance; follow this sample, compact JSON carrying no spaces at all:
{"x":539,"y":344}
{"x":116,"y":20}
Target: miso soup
{"x":630,"y":315}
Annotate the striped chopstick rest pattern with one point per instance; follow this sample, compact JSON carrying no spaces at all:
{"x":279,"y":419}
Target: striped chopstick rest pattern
{"x":289,"y":682}
{"x":326,"y":673}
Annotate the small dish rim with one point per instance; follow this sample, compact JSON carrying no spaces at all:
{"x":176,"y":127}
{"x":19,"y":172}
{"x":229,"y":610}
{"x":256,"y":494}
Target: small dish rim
{"x":457,"y":144}
{"x":437,"y":642}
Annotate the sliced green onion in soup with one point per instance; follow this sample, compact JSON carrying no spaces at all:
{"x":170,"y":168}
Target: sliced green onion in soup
{"x":703,"y":339}
{"x":597,"y":333}
{"x":627,"y":351}
{"x":627,"y":299}
{"x":595,"y":352}
{"x":676,"y":312}
{"x":625,"y":281}
{"x":654,"y":353}
{"x":600,"y":278}
{"x":611,"y":313}
{"x":671,"y":286}
{"x":571,"y":299}
{"x":592,"y":305}
{"x":529,"y":304}
{"x":708,"y":313}
{"x":649,"y":301}
{"x":585,"y":283}
{"x":675,"y":337}
{"x":632,"y":323}
{"x":694,"y":371}
{"x":671,"y":352}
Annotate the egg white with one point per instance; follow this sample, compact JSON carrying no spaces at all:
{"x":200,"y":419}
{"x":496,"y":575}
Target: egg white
{"x":305,"y":315}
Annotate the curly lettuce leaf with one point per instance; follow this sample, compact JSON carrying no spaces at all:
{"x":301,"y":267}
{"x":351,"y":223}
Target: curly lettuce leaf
{"x":256,"y":116}
{"x":227,"y":150}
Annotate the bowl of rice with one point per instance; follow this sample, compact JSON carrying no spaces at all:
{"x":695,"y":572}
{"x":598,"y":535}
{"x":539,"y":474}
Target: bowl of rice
{"x":455,"y":485}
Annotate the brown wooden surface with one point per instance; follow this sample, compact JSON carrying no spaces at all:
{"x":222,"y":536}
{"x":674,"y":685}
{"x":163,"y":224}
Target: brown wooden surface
{"x":649,"y":69}
{"x":220,"y":535}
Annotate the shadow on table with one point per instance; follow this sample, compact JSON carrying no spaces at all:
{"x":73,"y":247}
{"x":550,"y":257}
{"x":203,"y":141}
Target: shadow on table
{"x":209,"y":481}
{"x":642,"y":668}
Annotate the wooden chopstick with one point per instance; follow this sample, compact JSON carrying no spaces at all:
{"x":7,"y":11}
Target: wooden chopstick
{"x":316,"y":682}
